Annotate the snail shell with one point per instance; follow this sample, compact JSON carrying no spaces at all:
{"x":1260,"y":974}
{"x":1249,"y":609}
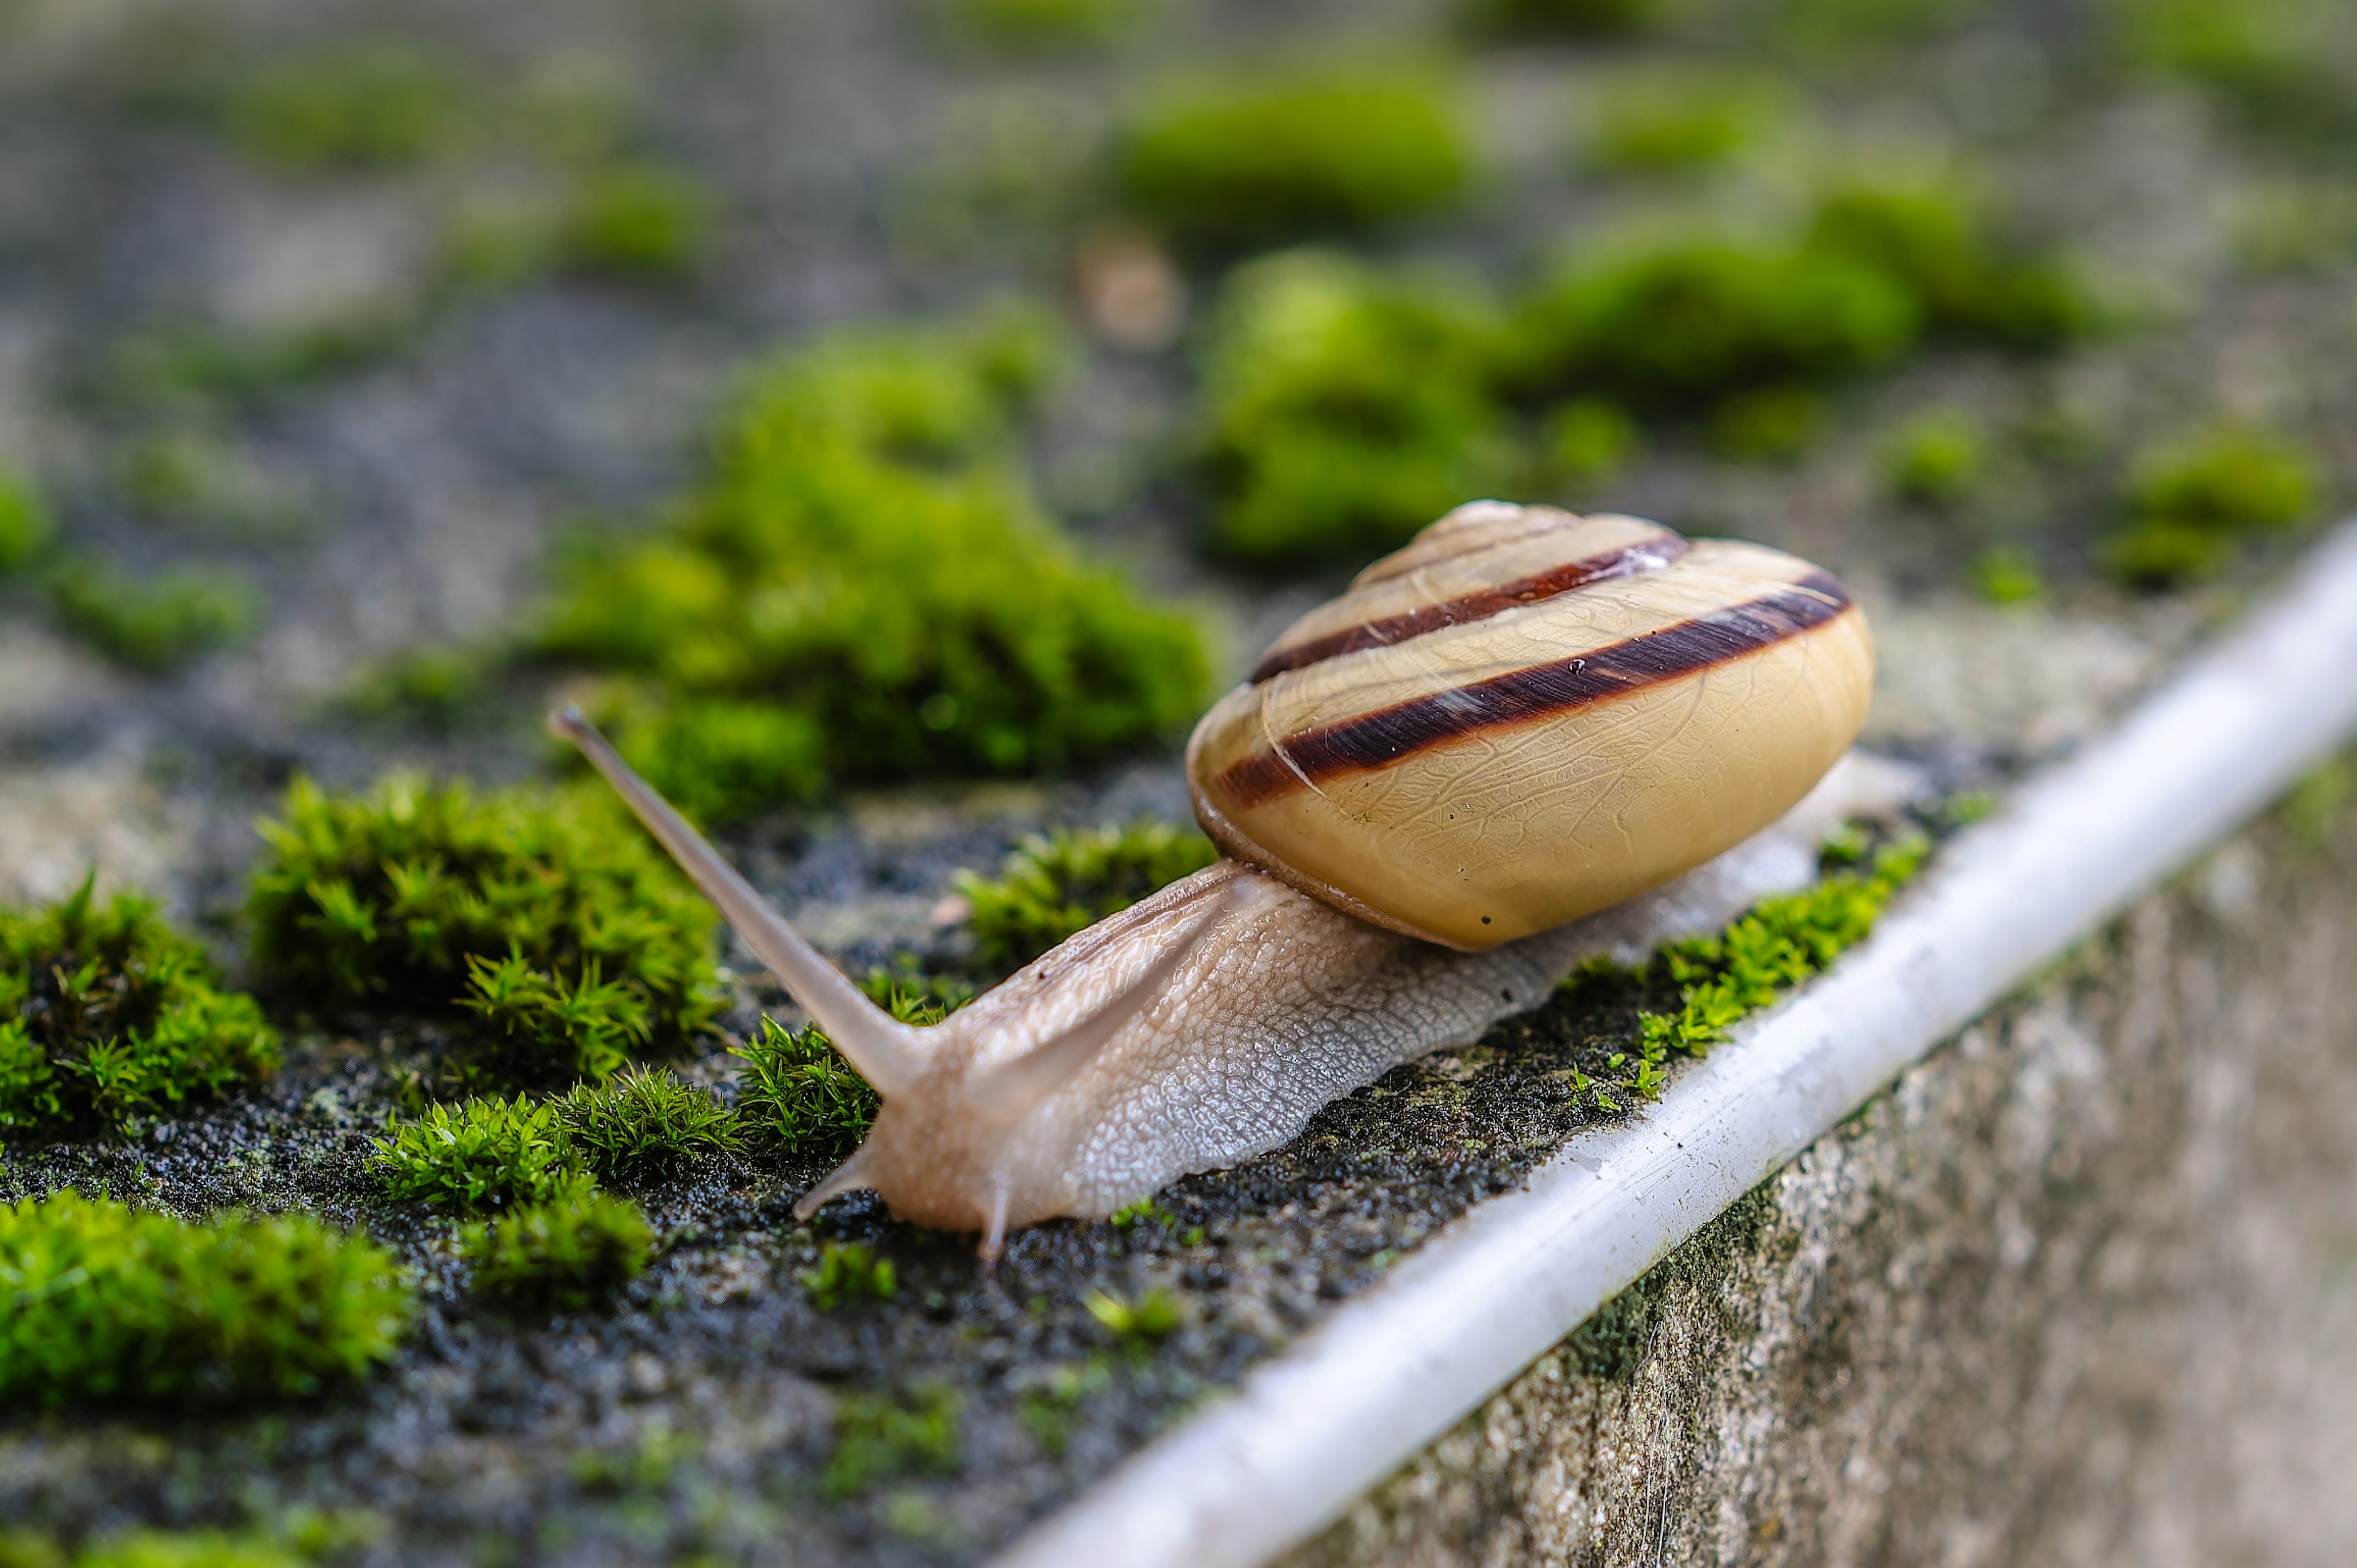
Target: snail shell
{"x":1525,"y":716}
{"x":1520,"y":718}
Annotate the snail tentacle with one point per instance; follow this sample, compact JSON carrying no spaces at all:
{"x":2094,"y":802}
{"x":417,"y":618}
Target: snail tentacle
{"x":884,"y":1049}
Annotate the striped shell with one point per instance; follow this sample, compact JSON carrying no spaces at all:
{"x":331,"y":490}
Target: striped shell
{"x":1524,"y":716}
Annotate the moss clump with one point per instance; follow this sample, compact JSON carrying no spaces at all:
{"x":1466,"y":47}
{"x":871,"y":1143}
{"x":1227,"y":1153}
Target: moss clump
{"x":2007,"y":575}
{"x":198,"y":369}
{"x":1039,"y":27}
{"x":878,"y":1436}
{"x":2279,"y":65}
{"x":1058,"y":883}
{"x":1669,"y":322}
{"x":1937,"y":458}
{"x":1770,"y":424}
{"x":1151,"y":1319}
{"x":1564,"y":18}
{"x":1678,"y":321}
{"x":180,"y":1549}
{"x":154,"y":624}
{"x":485,"y":1153}
{"x":1681,"y":120}
{"x":2193,"y":502}
{"x":564,"y":1255}
{"x":375,"y":104}
{"x":1780,"y":943}
{"x":1587,"y":441}
{"x":640,"y":222}
{"x":1346,"y":409}
{"x":25,"y":527}
{"x":862,"y":591}
{"x":849,"y":1270}
{"x":117,"y":1306}
{"x":796,"y":1093}
{"x":1249,"y":162}
{"x":108,"y":1017}
{"x":645,"y":1125}
{"x":546,"y":914}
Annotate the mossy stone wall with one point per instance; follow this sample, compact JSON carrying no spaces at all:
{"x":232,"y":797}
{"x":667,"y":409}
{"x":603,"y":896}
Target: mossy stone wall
{"x":2080,"y":1289}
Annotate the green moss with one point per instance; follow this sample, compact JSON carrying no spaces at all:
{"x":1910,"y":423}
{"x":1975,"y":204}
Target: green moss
{"x":1780,"y":943}
{"x":849,"y":1270}
{"x":645,"y":1125}
{"x":1058,"y":883}
{"x":1151,"y":1319}
{"x":1937,"y":458}
{"x":1770,"y":425}
{"x":1613,"y":1345}
{"x":2007,"y":575}
{"x":1677,"y":120}
{"x":862,"y":591}
{"x":2193,"y":502}
{"x":1565,"y":18}
{"x":1250,"y":161}
{"x":1670,"y":321}
{"x":1935,"y":240}
{"x":640,"y":222}
{"x":189,"y":1549}
{"x":796,"y":1093}
{"x":1346,"y":409}
{"x":439,"y":690}
{"x":1039,"y":26}
{"x":154,"y":623}
{"x":878,"y":1436}
{"x":116,"y":1306}
{"x":26,"y":526}
{"x":564,"y":1255}
{"x":1587,"y":442}
{"x":367,"y":105}
{"x":544,"y":914}
{"x":1047,"y":1409}
{"x":202,"y":484}
{"x":484,"y":1154}
{"x":198,"y":369}
{"x":2280,"y":66}
{"x":108,"y":1017}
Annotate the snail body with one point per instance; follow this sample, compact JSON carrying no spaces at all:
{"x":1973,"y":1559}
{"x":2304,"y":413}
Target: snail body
{"x":1436,"y":794}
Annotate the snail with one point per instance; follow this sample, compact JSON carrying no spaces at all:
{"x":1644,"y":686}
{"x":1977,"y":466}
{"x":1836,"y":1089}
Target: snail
{"x":1425,"y":794}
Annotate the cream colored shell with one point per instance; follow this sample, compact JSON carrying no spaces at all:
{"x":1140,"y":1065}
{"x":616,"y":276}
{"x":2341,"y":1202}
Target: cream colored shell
{"x":1524,"y":716}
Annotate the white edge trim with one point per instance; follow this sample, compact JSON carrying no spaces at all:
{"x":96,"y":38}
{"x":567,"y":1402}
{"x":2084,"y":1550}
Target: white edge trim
{"x":1316,"y":1426}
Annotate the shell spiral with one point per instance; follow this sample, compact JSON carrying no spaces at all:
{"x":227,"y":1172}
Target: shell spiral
{"x":1524,"y":716}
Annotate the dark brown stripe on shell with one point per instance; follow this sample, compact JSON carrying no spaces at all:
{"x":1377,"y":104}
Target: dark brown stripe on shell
{"x":1379,"y":738}
{"x":1654,"y":553}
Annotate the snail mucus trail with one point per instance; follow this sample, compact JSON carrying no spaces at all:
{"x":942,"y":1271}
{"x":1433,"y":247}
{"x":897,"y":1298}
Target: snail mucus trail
{"x":1524,"y":738}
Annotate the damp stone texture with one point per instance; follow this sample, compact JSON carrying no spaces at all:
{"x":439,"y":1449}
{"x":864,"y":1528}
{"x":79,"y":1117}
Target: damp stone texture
{"x":2079,"y":1289}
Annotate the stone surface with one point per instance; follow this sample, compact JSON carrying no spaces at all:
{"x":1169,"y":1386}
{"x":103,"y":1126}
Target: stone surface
{"x":2081,"y":1288}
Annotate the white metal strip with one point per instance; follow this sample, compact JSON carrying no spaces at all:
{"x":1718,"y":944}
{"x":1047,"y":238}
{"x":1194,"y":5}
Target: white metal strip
{"x":1313,"y":1428}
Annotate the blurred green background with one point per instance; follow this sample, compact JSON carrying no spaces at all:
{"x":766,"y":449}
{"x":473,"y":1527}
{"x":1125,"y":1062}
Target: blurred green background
{"x":836,"y":394}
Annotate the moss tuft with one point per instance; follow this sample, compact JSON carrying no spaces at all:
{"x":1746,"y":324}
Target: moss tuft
{"x":1346,"y":409}
{"x":862,"y":591}
{"x":367,"y":105}
{"x":1770,"y":424}
{"x":1937,"y":458}
{"x":1039,"y":26}
{"x":849,"y":1270}
{"x":2193,"y":502}
{"x":186,"y":1549}
{"x":1565,"y":18}
{"x":485,"y":1153}
{"x":878,"y":1436}
{"x":108,"y":1017}
{"x":2276,"y":64}
{"x":1061,"y":882}
{"x":1681,"y":119}
{"x":26,"y":526}
{"x":644,"y":1125}
{"x":546,"y":914}
{"x":116,"y":1306}
{"x":2007,"y":575}
{"x":1243,"y":162}
{"x":796,"y":1093}
{"x":1780,"y":943}
{"x":1151,"y":1319}
{"x":154,"y":624}
{"x":564,"y":1255}
{"x":641,"y":222}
